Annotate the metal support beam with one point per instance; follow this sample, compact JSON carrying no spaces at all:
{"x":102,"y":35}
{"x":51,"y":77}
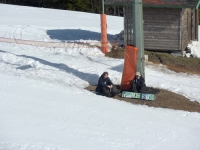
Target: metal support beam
{"x":197,"y":7}
{"x":102,"y":6}
{"x":138,"y":34}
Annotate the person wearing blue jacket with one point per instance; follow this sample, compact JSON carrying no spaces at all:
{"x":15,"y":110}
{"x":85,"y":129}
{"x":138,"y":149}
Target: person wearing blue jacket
{"x":105,"y":86}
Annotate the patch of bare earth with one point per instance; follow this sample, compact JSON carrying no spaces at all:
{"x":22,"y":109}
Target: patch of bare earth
{"x":180,"y":64}
{"x":164,"y":99}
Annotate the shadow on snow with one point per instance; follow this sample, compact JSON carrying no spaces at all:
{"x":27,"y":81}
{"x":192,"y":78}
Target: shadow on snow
{"x":88,"y":77}
{"x":75,"y":34}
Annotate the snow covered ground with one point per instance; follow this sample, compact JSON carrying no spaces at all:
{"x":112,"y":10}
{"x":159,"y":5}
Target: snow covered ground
{"x":43,"y":104}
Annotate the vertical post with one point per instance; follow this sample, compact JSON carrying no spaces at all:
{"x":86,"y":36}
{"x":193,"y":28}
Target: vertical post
{"x":197,"y":24}
{"x":181,"y":29}
{"x":138,"y":33}
{"x":125,"y":26}
{"x":193,"y":23}
{"x":114,"y":10}
{"x":102,"y":6}
{"x":104,"y":36}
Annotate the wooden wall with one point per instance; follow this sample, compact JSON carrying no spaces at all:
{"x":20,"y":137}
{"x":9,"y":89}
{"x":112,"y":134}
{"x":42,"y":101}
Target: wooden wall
{"x":166,"y":29}
{"x":162,"y":28}
{"x":188,"y":27}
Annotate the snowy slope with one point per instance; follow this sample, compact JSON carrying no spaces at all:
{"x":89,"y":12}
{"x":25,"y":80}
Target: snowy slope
{"x":51,"y":24}
{"x":38,"y":24}
{"x":40,"y":116}
{"x":43,"y":104}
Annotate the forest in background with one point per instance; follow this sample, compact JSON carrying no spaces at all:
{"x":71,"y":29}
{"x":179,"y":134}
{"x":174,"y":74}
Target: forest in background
{"x":93,"y":6}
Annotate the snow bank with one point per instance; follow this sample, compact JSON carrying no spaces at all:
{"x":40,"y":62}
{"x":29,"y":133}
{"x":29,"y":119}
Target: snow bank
{"x":194,"y":49}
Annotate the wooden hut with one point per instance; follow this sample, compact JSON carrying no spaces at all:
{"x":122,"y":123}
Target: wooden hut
{"x":169,"y":25}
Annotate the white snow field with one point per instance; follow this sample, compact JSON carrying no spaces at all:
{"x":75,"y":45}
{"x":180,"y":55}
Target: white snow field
{"x":43,"y":104}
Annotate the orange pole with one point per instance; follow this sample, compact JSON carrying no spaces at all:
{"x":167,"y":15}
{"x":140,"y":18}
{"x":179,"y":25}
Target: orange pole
{"x":104,"y":36}
{"x":130,"y":65}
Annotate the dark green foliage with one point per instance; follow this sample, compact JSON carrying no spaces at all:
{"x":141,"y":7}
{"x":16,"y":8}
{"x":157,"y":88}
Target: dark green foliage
{"x":94,"y":6}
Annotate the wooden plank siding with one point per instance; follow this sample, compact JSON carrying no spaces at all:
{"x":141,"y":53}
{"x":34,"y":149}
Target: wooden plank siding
{"x":165,"y":29}
{"x":186,"y":27}
{"x":189,"y":24}
{"x":193,"y":24}
{"x":162,"y":28}
{"x":169,"y":25}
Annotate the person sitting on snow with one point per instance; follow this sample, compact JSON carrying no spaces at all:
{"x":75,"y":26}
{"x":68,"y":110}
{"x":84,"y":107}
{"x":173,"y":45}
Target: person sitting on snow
{"x":105,"y":86}
{"x":138,"y":84}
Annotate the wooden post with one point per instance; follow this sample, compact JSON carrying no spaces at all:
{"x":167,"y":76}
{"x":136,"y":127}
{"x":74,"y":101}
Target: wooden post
{"x":193,"y":23}
{"x":181,"y":29}
{"x":197,"y":24}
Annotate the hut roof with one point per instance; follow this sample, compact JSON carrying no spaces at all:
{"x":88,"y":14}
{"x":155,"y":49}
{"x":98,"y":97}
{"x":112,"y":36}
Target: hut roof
{"x":159,"y":3}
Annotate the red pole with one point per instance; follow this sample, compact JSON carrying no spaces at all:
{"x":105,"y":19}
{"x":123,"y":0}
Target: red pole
{"x":104,"y":36}
{"x":130,"y":63}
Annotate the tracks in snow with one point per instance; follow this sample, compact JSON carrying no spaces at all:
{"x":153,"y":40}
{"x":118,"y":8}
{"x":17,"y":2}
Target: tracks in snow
{"x":17,"y":35}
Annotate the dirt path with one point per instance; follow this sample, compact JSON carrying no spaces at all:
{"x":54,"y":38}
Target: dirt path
{"x":164,"y":99}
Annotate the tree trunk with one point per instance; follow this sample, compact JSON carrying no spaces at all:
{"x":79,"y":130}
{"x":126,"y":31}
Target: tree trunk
{"x":39,"y":2}
{"x":92,"y":6}
{"x":114,"y":10}
{"x":44,"y":3}
{"x":118,"y":11}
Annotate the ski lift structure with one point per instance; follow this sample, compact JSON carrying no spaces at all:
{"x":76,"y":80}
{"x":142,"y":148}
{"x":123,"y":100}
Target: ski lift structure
{"x":168,"y":25}
{"x":133,"y":27}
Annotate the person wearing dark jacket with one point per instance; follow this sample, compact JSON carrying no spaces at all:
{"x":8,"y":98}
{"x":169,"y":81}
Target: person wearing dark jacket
{"x":105,"y":86}
{"x":138,"y":84}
